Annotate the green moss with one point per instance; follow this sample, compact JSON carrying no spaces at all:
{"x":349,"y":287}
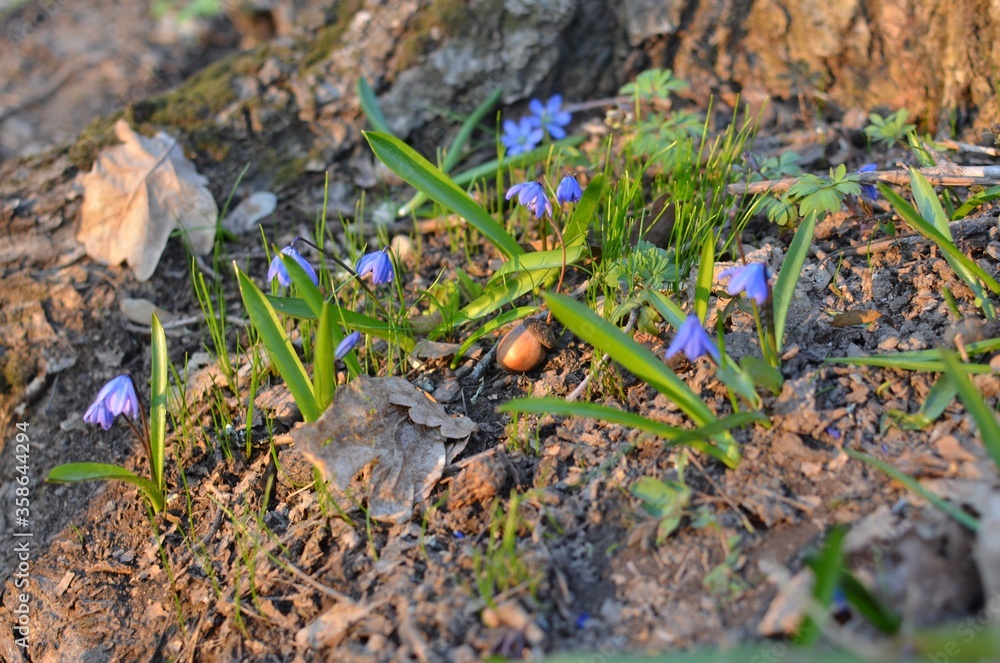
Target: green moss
{"x":200,"y":98}
{"x":329,"y":35}
{"x":96,"y":136}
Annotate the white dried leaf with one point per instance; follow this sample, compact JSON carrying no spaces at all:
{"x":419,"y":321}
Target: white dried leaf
{"x":136,"y":194}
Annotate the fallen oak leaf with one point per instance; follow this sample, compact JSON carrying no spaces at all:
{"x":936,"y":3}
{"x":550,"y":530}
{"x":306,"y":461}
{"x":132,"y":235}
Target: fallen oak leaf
{"x":394,"y":428}
{"x":136,"y":194}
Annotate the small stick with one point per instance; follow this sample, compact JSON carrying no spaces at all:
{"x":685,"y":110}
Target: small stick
{"x":945,"y":175}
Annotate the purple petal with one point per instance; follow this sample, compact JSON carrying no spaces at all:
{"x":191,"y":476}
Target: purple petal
{"x":347,"y":344}
{"x":536,"y":107}
{"x":554,"y":104}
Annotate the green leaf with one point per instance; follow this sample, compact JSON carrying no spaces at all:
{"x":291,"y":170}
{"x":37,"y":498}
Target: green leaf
{"x":869,"y":605}
{"x":370,"y":107}
{"x":536,"y":260}
{"x":424,"y":176}
{"x":957,"y":514}
{"x":298,"y":308}
{"x":454,"y":152}
{"x":984,"y":196}
{"x":308,"y":290}
{"x":791,"y":269}
{"x":324,"y":370}
{"x":585,"y":212}
{"x":938,"y":399}
{"x":72,"y":472}
{"x":642,"y":363}
{"x":930,"y":232}
{"x":503,"y":293}
{"x":762,"y":374}
{"x":973,"y":401}
{"x":665,"y":500}
{"x":907,"y":362}
{"x":272,"y":333}
{"x":706,"y":274}
{"x":826,"y":569}
{"x":697,"y":439}
{"x":160,"y":361}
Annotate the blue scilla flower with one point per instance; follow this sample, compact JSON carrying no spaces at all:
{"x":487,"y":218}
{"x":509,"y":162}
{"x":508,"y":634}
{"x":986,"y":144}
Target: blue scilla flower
{"x":116,"y":397}
{"x":869,"y":191}
{"x":692,"y":340}
{"x":549,"y":116}
{"x":277,"y":270}
{"x":750,"y":279}
{"x":347,"y":344}
{"x":378,"y":264}
{"x":520,"y":137}
{"x":568,"y":190}
{"x":531,"y":195}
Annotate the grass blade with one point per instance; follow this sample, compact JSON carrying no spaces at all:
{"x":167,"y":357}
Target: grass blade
{"x":279,"y":348}
{"x":502,"y":294}
{"x":706,"y":274}
{"x":158,"y":401}
{"x":371,"y":109}
{"x":974,"y":404}
{"x":424,"y":176}
{"x":538,"y":260}
{"x":784,"y":288}
{"x":454,"y":152}
{"x":930,"y":232}
{"x":324,"y":370}
{"x":957,"y":514}
{"x":907,"y":363}
{"x":72,"y":472}
{"x":641,"y":362}
{"x":698,"y":439}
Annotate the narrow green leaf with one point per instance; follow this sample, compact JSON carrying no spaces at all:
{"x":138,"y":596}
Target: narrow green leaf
{"x":536,"y":260}
{"x":324,"y":371}
{"x":641,"y":362}
{"x":454,"y":152}
{"x":826,"y":570}
{"x":869,"y":605}
{"x":957,"y":514}
{"x":989,"y":429}
{"x":272,"y":333}
{"x":706,"y":274}
{"x":666,"y":307}
{"x":585,"y":212}
{"x":930,"y":232}
{"x":791,"y":269}
{"x":984,"y":196}
{"x":907,"y":363}
{"x":424,"y":176}
{"x":308,"y":290}
{"x":503,"y":293}
{"x":158,"y":401}
{"x":697,"y":439}
{"x":937,"y":400}
{"x":297,"y":308}
{"x":370,"y":107}
{"x":467,"y":178}
{"x":72,"y":472}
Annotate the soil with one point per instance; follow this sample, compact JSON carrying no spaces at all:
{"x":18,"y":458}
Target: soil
{"x":249,"y":562}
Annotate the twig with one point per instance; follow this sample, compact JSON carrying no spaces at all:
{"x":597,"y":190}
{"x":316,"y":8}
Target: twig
{"x":948,"y":174}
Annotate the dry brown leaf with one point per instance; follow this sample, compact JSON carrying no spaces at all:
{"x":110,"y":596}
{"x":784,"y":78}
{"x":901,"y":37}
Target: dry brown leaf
{"x":392,"y":426}
{"x":134,"y":197}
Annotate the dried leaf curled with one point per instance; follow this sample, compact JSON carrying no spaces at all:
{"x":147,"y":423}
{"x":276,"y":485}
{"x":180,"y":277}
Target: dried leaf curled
{"x":392,"y":427}
{"x":136,"y":194}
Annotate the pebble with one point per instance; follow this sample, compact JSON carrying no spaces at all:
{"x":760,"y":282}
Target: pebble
{"x":447,"y":391}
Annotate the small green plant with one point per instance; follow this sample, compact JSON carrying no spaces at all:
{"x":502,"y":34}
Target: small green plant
{"x":665,"y":499}
{"x":120,"y":396}
{"x":891,"y":129}
{"x":813,"y":194}
{"x":501,"y":567}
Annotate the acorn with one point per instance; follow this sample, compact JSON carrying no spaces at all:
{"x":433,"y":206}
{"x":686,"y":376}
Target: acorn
{"x":524,"y":347}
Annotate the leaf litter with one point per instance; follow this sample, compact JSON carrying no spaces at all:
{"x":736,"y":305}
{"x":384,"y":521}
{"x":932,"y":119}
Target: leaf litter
{"x":136,"y":195}
{"x":394,"y":429}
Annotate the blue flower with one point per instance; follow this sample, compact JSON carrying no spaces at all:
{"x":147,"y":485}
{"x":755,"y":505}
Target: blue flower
{"x":549,"y":116}
{"x":692,"y":340}
{"x":750,"y":279}
{"x":279,"y":271}
{"x":116,"y":397}
{"x":531,"y":195}
{"x":378,"y":264}
{"x":582,"y":619}
{"x":347,"y":344}
{"x":521,"y":136}
{"x":869,"y":191}
{"x":568,"y":190}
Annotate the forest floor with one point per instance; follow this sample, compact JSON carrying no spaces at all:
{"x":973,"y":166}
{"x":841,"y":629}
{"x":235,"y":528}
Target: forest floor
{"x":534,"y":542}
